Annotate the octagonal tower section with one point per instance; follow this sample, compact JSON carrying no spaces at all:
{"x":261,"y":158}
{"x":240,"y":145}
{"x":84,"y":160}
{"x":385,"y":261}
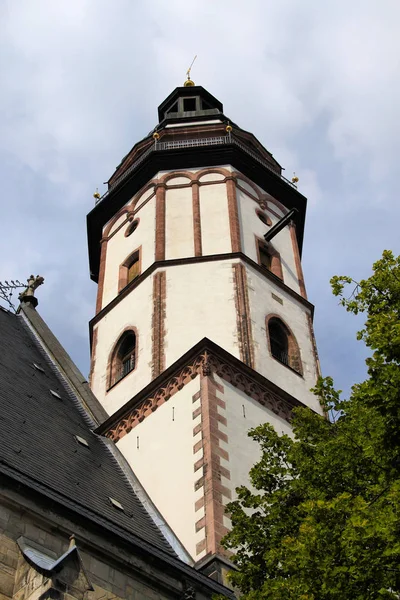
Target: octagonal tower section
{"x":199,"y":317}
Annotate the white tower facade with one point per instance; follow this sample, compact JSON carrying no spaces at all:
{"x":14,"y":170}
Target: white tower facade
{"x":203,"y":328}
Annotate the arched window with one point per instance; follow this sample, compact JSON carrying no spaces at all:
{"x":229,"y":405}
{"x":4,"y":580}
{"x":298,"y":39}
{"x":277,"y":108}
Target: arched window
{"x":123,"y":359}
{"x":130,"y":269}
{"x":268,"y":258}
{"x":283,"y":345}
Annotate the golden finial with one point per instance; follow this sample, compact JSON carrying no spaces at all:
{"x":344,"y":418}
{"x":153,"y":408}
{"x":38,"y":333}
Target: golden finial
{"x":156,"y":136}
{"x":189,"y":82}
{"x":295,"y":179}
{"x":96,"y":195}
{"x":228,"y":128}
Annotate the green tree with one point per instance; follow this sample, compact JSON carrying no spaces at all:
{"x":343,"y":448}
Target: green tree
{"x":323,"y":518}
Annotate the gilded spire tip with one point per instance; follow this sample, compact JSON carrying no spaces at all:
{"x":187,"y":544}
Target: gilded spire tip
{"x":189,"y":82}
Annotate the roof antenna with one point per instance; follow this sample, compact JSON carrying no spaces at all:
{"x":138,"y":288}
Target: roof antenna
{"x":189,"y":82}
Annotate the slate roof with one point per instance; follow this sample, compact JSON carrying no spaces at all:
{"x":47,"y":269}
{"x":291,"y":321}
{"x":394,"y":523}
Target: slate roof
{"x":38,"y":444}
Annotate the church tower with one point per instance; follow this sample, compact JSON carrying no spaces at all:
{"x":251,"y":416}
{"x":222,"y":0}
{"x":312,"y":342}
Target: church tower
{"x":203,"y":328}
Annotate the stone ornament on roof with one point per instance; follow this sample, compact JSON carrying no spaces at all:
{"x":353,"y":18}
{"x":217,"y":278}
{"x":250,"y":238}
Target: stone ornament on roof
{"x":28,"y":295}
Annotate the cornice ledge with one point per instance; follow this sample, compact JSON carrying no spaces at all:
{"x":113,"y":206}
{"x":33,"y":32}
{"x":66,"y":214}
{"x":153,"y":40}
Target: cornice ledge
{"x":205,"y":358}
{"x":162,"y":264}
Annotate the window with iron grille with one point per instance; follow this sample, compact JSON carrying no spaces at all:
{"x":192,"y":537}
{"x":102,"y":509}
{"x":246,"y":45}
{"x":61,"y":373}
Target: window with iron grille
{"x":279,"y":342}
{"x":283,"y":345}
{"x":123,"y":360}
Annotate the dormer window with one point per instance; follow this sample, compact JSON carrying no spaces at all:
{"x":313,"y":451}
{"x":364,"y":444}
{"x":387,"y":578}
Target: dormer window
{"x":189,"y":104}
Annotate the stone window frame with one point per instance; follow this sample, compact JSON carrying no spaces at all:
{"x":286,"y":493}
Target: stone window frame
{"x":124,"y":268}
{"x":131,"y":222}
{"x":276,"y":263}
{"x":295,"y":363}
{"x":261,"y":214}
{"x":114,"y":362}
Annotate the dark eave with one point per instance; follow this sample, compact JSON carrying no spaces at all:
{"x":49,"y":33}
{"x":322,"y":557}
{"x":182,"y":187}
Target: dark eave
{"x":186,"y":158}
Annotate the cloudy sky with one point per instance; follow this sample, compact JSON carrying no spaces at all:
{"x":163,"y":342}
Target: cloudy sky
{"x":317,"y":82}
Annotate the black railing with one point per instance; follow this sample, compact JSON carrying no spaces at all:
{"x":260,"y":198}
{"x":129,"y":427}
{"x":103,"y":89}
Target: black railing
{"x":208,"y":141}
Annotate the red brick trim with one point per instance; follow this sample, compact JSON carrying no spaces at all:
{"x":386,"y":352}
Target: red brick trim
{"x":132,"y":205}
{"x":124,"y":267}
{"x":160,"y":223}
{"x":214,"y":492}
{"x":158,"y":323}
{"x":171,"y":175}
{"x":196,"y":429}
{"x":201,"y":546}
{"x":93,"y":357}
{"x":115,"y":218}
{"x":264,"y":392}
{"x":263,"y":202}
{"x":196,"y":220}
{"x":280,"y":206}
{"x":293,"y":347}
{"x":314,"y":344}
{"x":218,"y":170}
{"x":199,"y":504}
{"x":243,"y":320}
{"x":261,"y":197}
{"x":276,"y":263}
{"x":251,"y":183}
{"x":233,"y":212}
{"x":111,"y":365}
{"x":102,"y":274}
{"x":297,"y":260}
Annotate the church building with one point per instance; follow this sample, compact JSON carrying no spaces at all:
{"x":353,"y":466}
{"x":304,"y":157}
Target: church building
{"x":202,"y":329}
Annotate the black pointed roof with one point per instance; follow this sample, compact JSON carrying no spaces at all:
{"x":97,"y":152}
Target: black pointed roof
{"x":39,"y":447}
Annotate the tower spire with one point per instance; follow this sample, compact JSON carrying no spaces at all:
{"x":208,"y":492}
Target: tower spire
{"x":189,"y":82}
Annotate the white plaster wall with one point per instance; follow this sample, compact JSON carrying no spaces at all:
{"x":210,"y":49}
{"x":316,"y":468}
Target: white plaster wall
{"x":251,"y":226}
{"x":178,"y":181}
{"x":215,"y":233}
{"x":120,"y":247}
{"x":179,"y":234}
{"x":134,"y":310}
{"x":243,"y":413}
{"x":294,"y":314}
{"x":212,"y":177}
{"x":164,"y":462}
{"x":200,"y":303}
